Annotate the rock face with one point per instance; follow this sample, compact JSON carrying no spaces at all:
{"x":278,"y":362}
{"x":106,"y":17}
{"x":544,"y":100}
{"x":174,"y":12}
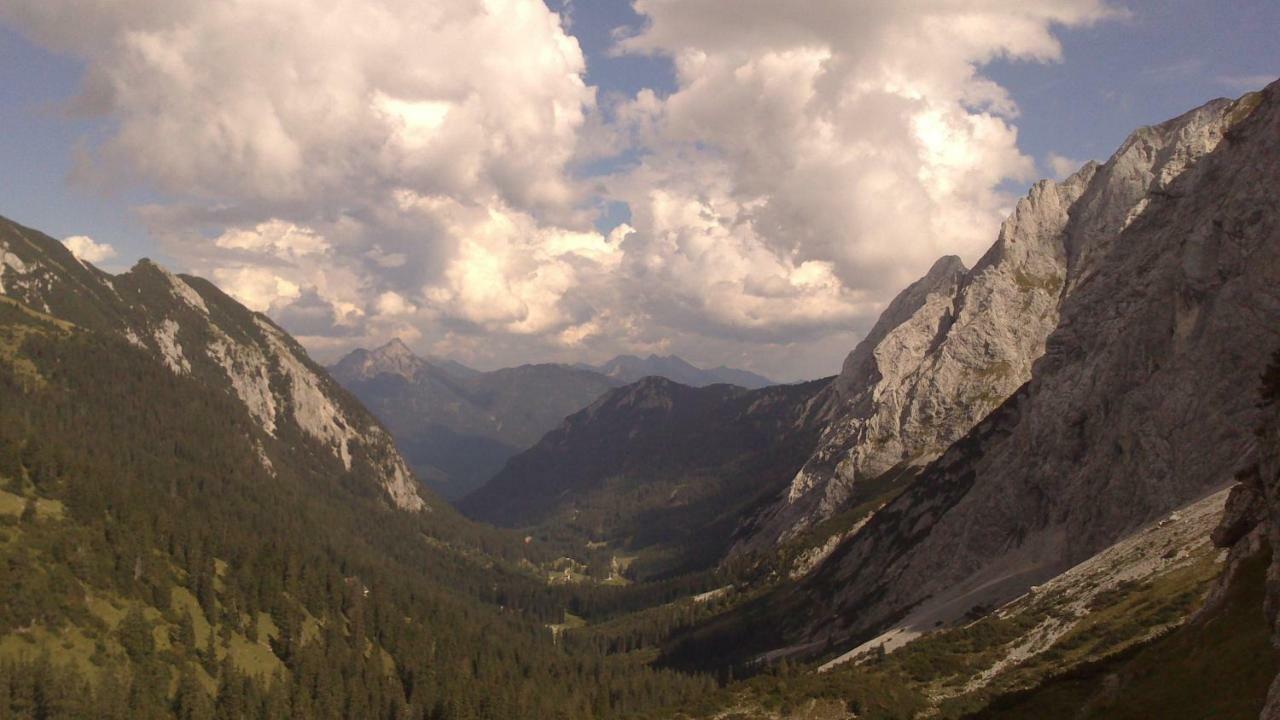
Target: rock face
{"x":457,"y":426}
{"x":1251,"y":522}
{"x":199,"y":332}
{"x":957,"y":343}
{"x":1141,"y":402}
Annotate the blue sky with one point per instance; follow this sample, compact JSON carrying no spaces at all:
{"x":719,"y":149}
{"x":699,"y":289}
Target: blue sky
{"x":1157,"y":60}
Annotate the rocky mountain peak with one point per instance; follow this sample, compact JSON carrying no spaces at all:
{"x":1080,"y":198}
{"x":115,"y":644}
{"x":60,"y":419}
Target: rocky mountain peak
{"x":957,"y":343}
{"x":201,"y":333}
{"x":394,"y":349}
{"x":1160,"y":322}
{"x":392,"y":358}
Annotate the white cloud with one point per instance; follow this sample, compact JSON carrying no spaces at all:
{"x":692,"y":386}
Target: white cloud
{"x":87,"y":249}
{"x":1061,"y":166}
{"x":372,"y":168}
{"x":257,"y":288}
{"x":858,"y":135}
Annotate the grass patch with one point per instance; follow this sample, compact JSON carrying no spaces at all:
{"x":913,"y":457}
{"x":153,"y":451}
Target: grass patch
{"x":1026,"y":281}
{"x":255,"y":659}
{"x":1244,"y":107}
{"x":46,"y":509}
{"x":69,"y":645}
{"x":17,"y":323}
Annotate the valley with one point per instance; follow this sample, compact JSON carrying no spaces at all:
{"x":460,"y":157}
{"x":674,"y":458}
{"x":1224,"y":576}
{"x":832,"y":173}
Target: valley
{"x":1044,"y":486}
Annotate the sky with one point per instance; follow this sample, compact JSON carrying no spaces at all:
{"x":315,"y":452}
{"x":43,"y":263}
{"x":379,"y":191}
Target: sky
{"x":740,"y":182}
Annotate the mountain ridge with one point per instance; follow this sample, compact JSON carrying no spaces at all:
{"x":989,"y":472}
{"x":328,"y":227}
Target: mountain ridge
{"x":657,"y":464}
{"x":193,"y":327}
{"x":630,"y":368}
{"x":1144,"y":380}
{"x":457,"y":426}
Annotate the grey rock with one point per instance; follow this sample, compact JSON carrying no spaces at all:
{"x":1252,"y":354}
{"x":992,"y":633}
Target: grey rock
{"x":1141,"y":402}
{"x":956,"y":344}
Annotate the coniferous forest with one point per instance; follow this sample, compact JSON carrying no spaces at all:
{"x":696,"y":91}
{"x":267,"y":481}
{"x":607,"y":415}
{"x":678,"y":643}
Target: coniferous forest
{"x":183,"y":578}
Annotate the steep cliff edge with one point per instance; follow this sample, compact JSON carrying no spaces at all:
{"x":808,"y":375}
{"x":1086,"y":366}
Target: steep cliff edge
{"x":956,"y":344}
{"x":1140,"y":403}
{"x":1250,"y":525}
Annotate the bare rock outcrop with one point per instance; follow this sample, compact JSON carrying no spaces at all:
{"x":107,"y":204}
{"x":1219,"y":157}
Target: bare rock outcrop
{"x":1251,"y":522}
{"x":1141,"y":402}
{"x":957,"y":343}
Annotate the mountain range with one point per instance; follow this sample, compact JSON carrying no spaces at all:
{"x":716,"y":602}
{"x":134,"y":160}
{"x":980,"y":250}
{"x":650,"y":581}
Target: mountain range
{"x":658,"y":466}
{"x":457,"y":426}
{"x":626,"y":369}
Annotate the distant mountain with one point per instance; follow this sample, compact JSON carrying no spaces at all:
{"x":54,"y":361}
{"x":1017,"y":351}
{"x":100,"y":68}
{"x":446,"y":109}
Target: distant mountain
{"x":658,"y":468}
{"x":627,"y":369}
{"x":395,"y":358}
{"x":457,"y":426}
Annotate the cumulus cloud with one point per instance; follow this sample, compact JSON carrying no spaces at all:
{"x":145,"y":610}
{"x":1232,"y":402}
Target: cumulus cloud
{"x":363,"y":169}
{"x":85,"y":248}
{"x":858,"y":136}
{"x":1061,"y":166}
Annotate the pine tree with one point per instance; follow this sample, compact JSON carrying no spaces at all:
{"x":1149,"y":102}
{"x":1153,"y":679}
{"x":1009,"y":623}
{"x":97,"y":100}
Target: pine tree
{"x":209,"y":658}
{"x":190,"y":701}
{"x":135,"y":635}
{"x":28,"y":512}
{"x":186,"y":635}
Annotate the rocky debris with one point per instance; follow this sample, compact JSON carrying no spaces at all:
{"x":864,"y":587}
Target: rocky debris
{"x":1136,"y":406}
{"x":249,"y":373}
{"x":166,"y":337}
{"x":1062,"y":602}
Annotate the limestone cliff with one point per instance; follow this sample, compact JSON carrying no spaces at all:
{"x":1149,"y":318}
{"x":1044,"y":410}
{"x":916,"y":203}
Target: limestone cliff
{"x":1141,"y":402}
{"x":956,"y":344}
